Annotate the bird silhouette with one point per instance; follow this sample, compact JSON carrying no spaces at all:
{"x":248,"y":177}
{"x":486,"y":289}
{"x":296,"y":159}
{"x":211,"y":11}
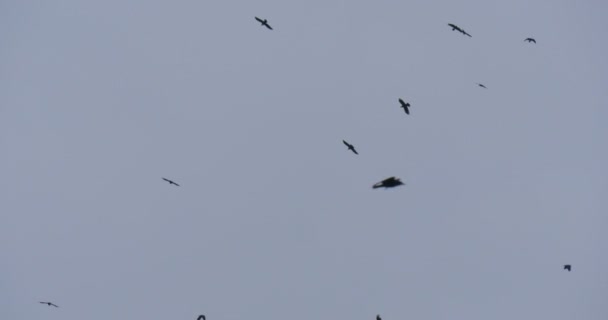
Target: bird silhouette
{"x":405,"y":106}
{"x":201,"y":317}
{"x":457,"y":28}
{"x":170,"y":181}
{"x":264,"y":22}
{"x":350,"y":146}
{"x":481,"y":85}
{"x":530,"y":40}
{"x":388,"y":183}
{"x":378,"y":317}
{"x":49,"y":304}
{"x":567,"y":267}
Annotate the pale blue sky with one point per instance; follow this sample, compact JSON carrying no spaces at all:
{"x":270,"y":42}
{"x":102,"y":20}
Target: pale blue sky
{"x":274,"y":218}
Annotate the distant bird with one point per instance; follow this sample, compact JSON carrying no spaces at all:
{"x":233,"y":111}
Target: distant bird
{"x":567,"y":267}
{"x":481,"y":85}
{"x":405,"y":106}
{"x":201,"y":317}
{"x":530,"y":40}
{"x":170,"y":182}
{"x":350,"y":146}
{"x":378,"y":317}
{"x":388,"y":183}
{"x":264,"y":22}
{"x":457,"y":28}
{"x":49,"y":304}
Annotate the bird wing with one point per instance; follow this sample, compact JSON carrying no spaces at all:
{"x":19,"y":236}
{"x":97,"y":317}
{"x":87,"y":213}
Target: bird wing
{"x":355,"y":151}
{"x":454,"y":27}
{"x":260,"y":20}
{"x":54,"y":305}
{"x":532,"y":40}
{"x":401,"y":101}
{"x":268,"y":26}
{"x":464,"y":32}
{"x":167,"y":180}
{"x":176,"y":184}
{"x":346,"y":143}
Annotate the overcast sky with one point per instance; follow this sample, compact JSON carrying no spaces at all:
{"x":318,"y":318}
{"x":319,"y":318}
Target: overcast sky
{"x":275,"y":219}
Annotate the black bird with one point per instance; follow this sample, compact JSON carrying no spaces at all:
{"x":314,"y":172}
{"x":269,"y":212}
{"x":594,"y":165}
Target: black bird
{"x":405,"y":106}
{"x":481,"y":85}
{"x":264,"y":22}
{"x":350,"y":146}
{"x":170,"y":182}
{"x":378,"y":317}
{"x":201,"y":317}
{"x":567,"y":267}
{"x":49,"y":304}
{"x":388,"y":183}
{"x":530,"y":40}
{"x":457,"y":28}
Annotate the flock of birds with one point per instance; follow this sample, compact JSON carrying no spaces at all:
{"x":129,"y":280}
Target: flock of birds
{"x":390,"y":182}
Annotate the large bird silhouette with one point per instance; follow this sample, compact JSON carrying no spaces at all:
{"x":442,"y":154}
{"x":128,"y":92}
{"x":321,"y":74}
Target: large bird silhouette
{"x":170,"y":181}
{"x":49,"y":304}
{"x":530,"y":40}
{"x":405,"y":106}
{"x":388,"y":183}
{"x":264,"y":22}
{"x":350,"y":147}
{"x":457,"y":28}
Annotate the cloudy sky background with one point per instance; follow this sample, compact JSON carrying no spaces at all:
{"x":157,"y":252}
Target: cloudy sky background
{"x":274,"y":218}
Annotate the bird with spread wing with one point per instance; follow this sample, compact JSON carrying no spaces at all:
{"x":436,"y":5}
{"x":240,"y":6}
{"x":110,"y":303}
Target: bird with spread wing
{"x":264,"y":22}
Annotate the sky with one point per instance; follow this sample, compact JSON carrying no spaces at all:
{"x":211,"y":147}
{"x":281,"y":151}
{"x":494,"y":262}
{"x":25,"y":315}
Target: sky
{"x":274,"y":218}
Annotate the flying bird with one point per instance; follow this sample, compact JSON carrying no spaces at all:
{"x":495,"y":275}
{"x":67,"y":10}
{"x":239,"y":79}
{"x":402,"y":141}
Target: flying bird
{"x":457,"y":28}
{"x":350,"y":146}
{"x":530,"y":40}
{"x":201,"y":317}
{"x":170,"y":182}
{"x":49,"y":304}
{"x":567,"y":267}
{"x":481,"y":85}
{"x":264,"y":22}
{"x":388,"y":183}
{"x":405,"y":106}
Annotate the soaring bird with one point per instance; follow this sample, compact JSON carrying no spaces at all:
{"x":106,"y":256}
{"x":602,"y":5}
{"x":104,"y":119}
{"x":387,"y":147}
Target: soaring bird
{"x":481,"y":85}
{"x":49,"y":304}
{"x":170,"y":182}
{"x":264,"y":22}
{"x":405,"y":106}
{"x":457,"y":28}
{"x":350,"y":146}
{"x":567,"y":267}
{"x":201,"y":317}
{"x":388,"y":183}
{"x":530,"y":40}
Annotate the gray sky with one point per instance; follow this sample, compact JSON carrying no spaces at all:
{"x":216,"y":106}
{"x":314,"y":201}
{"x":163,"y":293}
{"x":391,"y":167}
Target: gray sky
{"x":275,"y":219}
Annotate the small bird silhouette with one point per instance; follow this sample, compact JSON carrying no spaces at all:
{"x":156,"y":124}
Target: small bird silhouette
{"x":405,"y":106}
{"x":350,"y":147}
{"x":530,"y":40}
{"x":481,"y":85}
{"x":457,"y":28}
{"x":201,"y":317}
{"x":378,"y":317}
{"x":49,"y":304}
{"x":264,"y":22}
{"x":567,"y":267}
{"x":170,"y":182}
{"x":388,"y":183}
